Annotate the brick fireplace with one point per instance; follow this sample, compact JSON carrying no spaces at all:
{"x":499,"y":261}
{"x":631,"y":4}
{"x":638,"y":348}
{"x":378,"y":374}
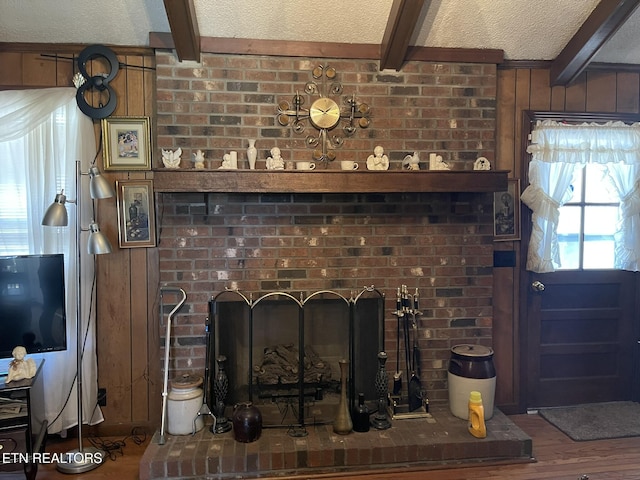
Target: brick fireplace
{"x":438,"y":242}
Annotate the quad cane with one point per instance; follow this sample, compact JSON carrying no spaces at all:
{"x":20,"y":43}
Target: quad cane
{"x":167,"y":346}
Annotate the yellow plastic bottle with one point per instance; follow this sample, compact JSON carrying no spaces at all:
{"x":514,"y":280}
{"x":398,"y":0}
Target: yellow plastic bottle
{"x":477,"y":427}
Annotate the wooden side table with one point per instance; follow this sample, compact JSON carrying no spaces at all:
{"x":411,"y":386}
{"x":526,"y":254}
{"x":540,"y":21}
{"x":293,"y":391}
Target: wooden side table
{"x":23,"y":426}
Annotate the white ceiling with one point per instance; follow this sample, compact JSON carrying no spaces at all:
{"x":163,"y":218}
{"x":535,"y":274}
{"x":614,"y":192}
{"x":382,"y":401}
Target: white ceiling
{"x":523,"y":29}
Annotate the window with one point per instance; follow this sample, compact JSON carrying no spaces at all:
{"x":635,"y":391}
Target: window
{"x":588,"y":222}
{"x":584,"y":194}
{"x":13,"y":218}
{"x":42,"y":135}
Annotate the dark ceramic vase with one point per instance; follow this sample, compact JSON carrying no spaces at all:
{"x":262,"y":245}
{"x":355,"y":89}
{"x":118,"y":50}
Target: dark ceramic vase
{"x":247,"y":423}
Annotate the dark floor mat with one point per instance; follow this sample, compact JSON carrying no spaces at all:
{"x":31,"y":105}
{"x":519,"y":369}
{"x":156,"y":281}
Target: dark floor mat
{"x":596,"y":421}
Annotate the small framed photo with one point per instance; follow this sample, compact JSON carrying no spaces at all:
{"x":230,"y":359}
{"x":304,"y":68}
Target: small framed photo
{"x":127,"y":143}
{"x":506,"y":212}
{"x":136,"y":214}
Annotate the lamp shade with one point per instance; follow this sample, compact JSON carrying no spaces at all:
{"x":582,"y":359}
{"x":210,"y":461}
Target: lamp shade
{"x":99,"y":187}
{"x":56,"y":215}
{"x":98,"y":243}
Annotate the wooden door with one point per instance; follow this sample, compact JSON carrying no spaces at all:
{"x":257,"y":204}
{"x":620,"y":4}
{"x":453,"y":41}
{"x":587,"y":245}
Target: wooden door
{"x":580,"y":337}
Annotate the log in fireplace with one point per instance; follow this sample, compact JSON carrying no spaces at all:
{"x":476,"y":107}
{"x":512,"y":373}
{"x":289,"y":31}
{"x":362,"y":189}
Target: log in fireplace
{"x":282,"y":352}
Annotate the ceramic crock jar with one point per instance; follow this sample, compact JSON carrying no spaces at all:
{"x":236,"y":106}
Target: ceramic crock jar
{"x":247,"y":422}
{"x":184,"y":402}
{"x":471,"y":369}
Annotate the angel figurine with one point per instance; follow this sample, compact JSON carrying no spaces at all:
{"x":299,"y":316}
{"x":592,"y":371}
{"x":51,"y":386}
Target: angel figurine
{"x":378,"y":161}
{"x":171,"y":159}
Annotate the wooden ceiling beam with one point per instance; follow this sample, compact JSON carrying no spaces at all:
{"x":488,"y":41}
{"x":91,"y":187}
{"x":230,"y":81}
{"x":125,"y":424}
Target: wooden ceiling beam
{"x":401,"y":24}
{"x":603,"y":22}
{"x":358,"y":51}
{"x":184,"y":28}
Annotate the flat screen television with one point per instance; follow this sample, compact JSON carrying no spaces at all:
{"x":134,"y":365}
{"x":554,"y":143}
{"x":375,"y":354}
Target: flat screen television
{"x":32,"y":303}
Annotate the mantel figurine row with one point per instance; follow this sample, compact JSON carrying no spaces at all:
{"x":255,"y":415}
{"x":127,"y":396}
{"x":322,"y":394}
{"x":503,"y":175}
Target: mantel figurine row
{"x":376,"y":161}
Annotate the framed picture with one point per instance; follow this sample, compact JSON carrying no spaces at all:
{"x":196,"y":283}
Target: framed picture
{"x":136,"y":214}
{"x":506,"y":212}
{"x":127,"y":143}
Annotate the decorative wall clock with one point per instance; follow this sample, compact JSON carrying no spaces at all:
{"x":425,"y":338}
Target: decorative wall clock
{"x":324,"y":114}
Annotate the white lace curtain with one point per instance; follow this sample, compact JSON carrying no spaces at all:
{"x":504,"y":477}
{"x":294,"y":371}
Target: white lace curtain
{"x":558,"y":151}
{"x":42,"y":134}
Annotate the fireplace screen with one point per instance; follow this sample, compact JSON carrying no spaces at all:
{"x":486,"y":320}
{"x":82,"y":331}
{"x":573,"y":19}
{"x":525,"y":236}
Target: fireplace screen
{"x":281,"y":353}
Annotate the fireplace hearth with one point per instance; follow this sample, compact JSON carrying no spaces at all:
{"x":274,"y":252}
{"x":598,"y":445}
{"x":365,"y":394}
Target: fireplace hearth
{"x":409,"y":445}
{"x":283,"y":352}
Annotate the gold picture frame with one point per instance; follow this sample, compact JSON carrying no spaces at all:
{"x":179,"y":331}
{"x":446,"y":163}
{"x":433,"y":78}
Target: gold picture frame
{"x":506,"y":212}
{"x":126,"y":143}
{"x":136,"y":213}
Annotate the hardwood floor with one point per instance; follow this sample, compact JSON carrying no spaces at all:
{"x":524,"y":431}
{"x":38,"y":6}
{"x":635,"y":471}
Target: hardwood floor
{"x":558,"y":458}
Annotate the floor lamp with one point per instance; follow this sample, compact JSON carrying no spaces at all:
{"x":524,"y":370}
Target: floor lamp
{"x":82,"y":459}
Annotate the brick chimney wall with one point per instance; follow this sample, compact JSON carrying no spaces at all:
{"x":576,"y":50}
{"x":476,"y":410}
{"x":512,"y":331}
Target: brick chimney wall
{"x":440,"y":243}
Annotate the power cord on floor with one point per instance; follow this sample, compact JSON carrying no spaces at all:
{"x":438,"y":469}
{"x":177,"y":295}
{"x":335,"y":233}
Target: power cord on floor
{"x":114,"y":448}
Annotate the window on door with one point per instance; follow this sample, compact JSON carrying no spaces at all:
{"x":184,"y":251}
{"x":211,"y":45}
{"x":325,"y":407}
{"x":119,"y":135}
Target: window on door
{"x":588,"y":222}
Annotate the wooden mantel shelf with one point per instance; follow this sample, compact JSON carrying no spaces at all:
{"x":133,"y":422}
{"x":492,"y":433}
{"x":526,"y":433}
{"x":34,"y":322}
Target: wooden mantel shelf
{"x":328,"y":181}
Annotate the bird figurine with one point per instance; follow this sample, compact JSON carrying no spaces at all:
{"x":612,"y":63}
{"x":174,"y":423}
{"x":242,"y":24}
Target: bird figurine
{"x":411,"y":162}
{"x":171,"y":159}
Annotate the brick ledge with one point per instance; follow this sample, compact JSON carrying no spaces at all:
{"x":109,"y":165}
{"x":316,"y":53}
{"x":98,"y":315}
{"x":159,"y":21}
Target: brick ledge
{"x":408,"y":444}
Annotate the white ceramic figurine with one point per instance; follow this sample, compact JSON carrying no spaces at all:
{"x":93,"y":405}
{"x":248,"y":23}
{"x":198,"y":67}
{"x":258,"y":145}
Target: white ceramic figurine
{"x":198,"y":160}
{"x":20,"y":367}
{"x":378,"y":161}
{"x":411,"y":162}
{"x":275,"y":161}
{"x":437,"y":163}
{"x":481,"y":164}
{"x":171,"y":159}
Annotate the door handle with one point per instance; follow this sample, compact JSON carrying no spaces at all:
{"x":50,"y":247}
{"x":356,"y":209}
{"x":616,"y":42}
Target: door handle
{"x":537,"y":286}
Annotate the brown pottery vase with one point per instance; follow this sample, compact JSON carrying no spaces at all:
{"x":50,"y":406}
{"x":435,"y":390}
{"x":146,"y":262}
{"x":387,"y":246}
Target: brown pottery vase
{"x":342,"y":424}
{"x":247,"y":423}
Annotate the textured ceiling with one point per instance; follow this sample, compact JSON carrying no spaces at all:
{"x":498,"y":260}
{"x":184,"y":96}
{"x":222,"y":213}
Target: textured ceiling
{"x":523,"y":29}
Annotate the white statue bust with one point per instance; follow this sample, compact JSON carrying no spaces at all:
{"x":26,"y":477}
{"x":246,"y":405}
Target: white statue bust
{"x":20,"y":367}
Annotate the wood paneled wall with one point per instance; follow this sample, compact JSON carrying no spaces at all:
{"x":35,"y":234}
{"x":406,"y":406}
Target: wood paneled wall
{"x":127,"y":329}
{"x":529,"y":89}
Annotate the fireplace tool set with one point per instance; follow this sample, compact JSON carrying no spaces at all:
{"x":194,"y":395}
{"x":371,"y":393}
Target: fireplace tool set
{"x":413,"y":402}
